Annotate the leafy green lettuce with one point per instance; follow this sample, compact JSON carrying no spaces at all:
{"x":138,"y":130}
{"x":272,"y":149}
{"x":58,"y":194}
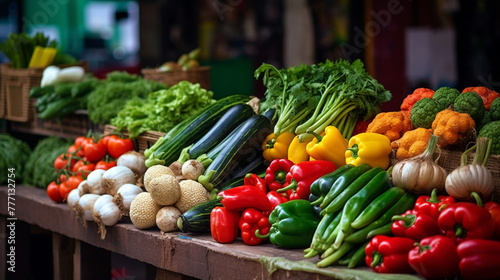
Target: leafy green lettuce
{"x":112,"y":94}
{"x":163,"y":109}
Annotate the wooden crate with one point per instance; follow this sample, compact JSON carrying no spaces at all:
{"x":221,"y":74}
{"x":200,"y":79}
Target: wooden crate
{"x":199,"y":75}
{"x":142,"y":142}
{"x":69,"y":126}
{"x":15,"y":87}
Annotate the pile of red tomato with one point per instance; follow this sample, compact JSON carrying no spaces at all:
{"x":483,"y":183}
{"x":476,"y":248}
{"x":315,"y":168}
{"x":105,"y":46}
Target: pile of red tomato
{"x":81,"y":158}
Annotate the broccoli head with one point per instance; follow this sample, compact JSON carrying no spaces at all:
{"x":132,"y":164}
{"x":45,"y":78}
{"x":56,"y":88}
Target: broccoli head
{"x":446,"y":95}
{"x":470,"y":103}
{"x":495,"y":110}
{"x":424,"y":112}
{"x":492,"y":131}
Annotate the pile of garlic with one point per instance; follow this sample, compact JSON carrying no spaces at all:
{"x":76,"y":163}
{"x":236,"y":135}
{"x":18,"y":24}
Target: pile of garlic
{"x":106,"y":195}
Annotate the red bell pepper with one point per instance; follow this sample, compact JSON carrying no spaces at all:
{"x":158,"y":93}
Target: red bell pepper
{"x":276,"y":173}
{"x":466,"y":220}
{"x":302,"y":175}
{"x":275,"y":199}
{"x":224,"y":224}
{"x":386,"y":254}
{"x":414,"y":226}
{"x":250,"y":221}
{"x":256,"y":181}
{"x":435,"y":257}
{"x":243,"y":197}
{"x":433,"y":205}
{"x":494,"y":209}
{"x":479,"y":259}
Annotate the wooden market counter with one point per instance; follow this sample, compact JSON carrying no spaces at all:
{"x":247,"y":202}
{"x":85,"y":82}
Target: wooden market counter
{"x":79,"y":253}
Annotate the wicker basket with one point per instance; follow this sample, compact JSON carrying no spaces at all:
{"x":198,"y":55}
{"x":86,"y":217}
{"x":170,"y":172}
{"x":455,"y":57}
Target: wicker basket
{"x":199,"y":75}
{"x":450,"y":160}
{"x":15,"y":87}
{"x":142,"y":142}
{"x":2,"y":97}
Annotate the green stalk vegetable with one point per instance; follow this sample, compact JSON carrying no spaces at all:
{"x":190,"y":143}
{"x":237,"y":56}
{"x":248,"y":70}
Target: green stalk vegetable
{"x":359,"y":201}
{"x":331,"y":259}
{"x":378,"y":206}
{"x":341,"y":189}
{"x":404,"y":203}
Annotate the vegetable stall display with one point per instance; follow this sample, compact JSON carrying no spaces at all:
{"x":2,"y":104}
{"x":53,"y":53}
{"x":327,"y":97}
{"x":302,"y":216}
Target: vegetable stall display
{"x":296,"y":174}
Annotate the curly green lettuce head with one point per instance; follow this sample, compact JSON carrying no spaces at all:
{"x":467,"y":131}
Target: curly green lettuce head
{"x":424,"y":112}
{"x":470,"y":103}
{"x":446,"y":96}
{"x":495,"y":110}
{"x":492,"y":131}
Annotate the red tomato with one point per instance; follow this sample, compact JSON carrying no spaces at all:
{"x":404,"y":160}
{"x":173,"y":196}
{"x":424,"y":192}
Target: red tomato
{"x":118,"y":146}
{"x":53,"y":192}
{"x":80,"y":140}
{"x":106,"y":138}
{"x":83,"y":168}
{"x":74,"y":181}
{"x":94,"y":152}
{"x":105,"y":165}
{"x":64,"y":189}
{"x":62,"y":162}
{"x":76,"y":150}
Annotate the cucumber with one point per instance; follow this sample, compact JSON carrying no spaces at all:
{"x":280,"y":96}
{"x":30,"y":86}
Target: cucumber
{"x":197,"y":219}
{"x":168,"y":151}
{"x":246,"y":140}
{"x":59,"y":108}
{"x":36,"y":92}
{"x":84,"y":88}
{"x":227,"y":123}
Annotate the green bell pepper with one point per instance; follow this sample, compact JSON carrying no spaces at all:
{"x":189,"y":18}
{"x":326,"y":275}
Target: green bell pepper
{"x":293,"y":224}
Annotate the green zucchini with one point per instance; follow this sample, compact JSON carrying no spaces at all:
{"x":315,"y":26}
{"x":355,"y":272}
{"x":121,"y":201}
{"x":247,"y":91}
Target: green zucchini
{"x":227,"y":123}
{"x":169,"y":135}
{"x":247,"y":139}
{"x":197,"y":219}
{"x":250,"y":163}
{"x":168,"y":151}
{"x":271,"y":115}
{"x":213,"y":153}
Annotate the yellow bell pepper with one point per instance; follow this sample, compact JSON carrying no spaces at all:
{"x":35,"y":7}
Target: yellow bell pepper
{"x":275,"y":147}
{"x":331,"y":146}
{"x":371,"y":148}
{"x":297,"y":152}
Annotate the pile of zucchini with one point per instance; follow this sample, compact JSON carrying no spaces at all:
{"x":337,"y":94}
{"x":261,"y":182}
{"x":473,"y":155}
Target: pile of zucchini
{"x":226,"y":137}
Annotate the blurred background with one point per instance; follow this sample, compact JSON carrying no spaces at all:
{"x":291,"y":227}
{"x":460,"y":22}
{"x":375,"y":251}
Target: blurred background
{"x":404,"y":44}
